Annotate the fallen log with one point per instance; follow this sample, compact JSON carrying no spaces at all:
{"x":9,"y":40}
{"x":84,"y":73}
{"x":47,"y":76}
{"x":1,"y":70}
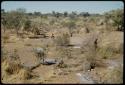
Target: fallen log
{"x":46,"y":62}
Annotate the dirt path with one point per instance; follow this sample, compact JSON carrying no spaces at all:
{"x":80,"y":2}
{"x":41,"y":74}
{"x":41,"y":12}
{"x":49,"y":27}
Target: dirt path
{"x":115,"y":63}
{"x":85,"y":78}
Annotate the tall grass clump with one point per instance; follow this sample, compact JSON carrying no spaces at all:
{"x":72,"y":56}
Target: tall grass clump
{"x":62,"y":40}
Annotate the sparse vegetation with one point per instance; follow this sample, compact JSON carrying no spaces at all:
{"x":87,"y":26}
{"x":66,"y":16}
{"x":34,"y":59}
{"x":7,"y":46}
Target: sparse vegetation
{"x":27,"y":25}
{"x":114,"y":76}
{"x":72,"y":42}
{"x":71,"y":26}
{"x":117,"y":17}
{"x":62,"y":40}
{"x":5,"y":38}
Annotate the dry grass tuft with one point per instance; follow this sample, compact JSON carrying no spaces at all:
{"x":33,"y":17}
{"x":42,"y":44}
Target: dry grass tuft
{"x":25,"y":74}
{"x":15,"y":70}
{"x":11,"y":67}
{"x":114,"y":76}
{"x":5,"y":38}
{"x":62,"y":40}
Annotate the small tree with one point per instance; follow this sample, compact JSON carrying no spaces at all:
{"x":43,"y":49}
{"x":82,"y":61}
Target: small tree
{"x":53,"y":13}
{"x":73,"y":15}
{"x":118,"y":18}
{"x":3,"y":23}
{"x":37,"y":13}
{"x":57,"y":14}
{"x":84,"y":14}
{"x":2,"y":11}
{"x":14,"y":19}
{"x":35,"y":28}
{"x":21,"y":10}
{"x":65,"y":14}
{"x":27,"y":25}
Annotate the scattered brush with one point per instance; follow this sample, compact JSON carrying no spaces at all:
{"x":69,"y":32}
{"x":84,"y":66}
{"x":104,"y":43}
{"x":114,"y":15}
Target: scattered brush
{"x":11,"y":67}
{"x":25,"y":74}
{"x":108,"y":52}
{"x":15,"y":69}
{"x":61,"y":64}
{"x":5,"y":38}
{"x":114,"y":76}
{"x":62,"y":40}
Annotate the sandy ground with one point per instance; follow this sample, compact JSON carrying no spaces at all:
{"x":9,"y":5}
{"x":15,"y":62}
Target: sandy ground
{"x":27,"y":57}
{"x":48,"y":74}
